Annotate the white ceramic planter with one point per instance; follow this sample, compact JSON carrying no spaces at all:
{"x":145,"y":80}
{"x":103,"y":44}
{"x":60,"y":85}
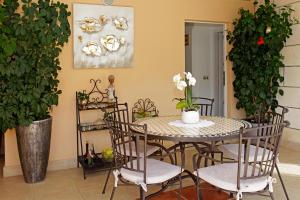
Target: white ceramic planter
{"x":190,"y":117}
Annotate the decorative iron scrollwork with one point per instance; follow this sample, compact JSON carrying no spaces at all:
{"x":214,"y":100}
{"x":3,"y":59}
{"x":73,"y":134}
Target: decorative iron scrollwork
{"x":95,"y":98}
{"x":144,"y":108}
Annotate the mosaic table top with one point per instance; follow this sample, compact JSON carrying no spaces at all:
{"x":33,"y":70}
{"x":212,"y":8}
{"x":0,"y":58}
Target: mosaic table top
{"x":222,"y":128}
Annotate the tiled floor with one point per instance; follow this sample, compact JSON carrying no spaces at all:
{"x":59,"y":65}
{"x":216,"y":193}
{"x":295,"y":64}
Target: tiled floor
{"x":69,"y":184}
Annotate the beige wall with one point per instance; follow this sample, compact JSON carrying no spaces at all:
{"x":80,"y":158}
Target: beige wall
{"x":291,"y":85}
{"x":159,"y":54}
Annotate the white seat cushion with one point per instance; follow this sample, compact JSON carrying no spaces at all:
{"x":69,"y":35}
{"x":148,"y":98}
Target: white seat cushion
{"x":231,"y":150}
{"x":150,"y":149}
{"x":157,"y":172}
{"x":224,"y":176}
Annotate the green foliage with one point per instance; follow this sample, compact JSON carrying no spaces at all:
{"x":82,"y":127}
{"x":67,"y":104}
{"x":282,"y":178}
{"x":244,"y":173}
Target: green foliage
{"x":82,"y":95}
{"x":257,"y":66}
{"x":30,"y":45}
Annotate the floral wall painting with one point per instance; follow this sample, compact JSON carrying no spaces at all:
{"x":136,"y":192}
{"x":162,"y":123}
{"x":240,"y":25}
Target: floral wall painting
{"x":103,"y":36}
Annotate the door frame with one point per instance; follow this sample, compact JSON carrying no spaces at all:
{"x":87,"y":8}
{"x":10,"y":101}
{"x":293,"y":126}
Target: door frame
{"x":224,"y":24}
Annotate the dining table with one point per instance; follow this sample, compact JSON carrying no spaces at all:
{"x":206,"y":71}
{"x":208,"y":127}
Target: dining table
{"x":213,"y":128}
{"x":209,"y":130}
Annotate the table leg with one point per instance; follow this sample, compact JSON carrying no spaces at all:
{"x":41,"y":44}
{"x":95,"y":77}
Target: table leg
{"x":182,"y":153}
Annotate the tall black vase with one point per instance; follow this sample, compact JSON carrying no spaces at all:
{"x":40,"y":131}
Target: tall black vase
{"x":34,"y":146}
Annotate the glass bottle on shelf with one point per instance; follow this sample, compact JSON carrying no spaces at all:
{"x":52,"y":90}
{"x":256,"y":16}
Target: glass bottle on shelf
{"x":91,"y":156}
{"x":93,"y":151}
{"x":86,"y":149}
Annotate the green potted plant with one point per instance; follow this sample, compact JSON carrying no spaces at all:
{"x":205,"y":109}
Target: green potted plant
{"x":257,"y":41}
{"x":190,"y":112}
{"x":29,"y":69}
{"x":83,"y":97}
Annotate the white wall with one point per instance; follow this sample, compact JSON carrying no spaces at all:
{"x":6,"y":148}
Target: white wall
{"x":291,"y":72}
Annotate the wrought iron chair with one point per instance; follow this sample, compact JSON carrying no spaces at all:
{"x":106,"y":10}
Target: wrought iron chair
{"x":205,"y":105}
{"x":144,"y":108}
{"x":253,"y":171}
{"x":130,"y":145}
{"x":122,"y":114}
{"x":231,"y":150}
{"x":205,"y":109}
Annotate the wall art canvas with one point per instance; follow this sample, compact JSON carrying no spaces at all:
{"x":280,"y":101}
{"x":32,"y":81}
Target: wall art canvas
{"x":103,"y":36}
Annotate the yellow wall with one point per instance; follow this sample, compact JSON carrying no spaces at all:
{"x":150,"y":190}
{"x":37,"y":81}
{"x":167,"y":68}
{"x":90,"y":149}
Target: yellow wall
{"x":159,"y":54}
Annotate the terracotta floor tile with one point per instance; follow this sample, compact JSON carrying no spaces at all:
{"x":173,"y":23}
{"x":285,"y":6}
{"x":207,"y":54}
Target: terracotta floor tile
{"x":189,"y":193}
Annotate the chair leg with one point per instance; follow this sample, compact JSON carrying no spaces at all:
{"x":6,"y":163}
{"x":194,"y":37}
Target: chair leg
{"x":213,"y":157}
{"x":206,"y":160}
{"x":112,"y":193}
{"x":106,"y":181}
{"x":198,"y":192}
{"x":84,"y":174}
{"x":142,"y":194}
{"x":175,"y":157}
{"x":281,"y":181}
{"x":272,"y":196}
{"x":180,"y":186}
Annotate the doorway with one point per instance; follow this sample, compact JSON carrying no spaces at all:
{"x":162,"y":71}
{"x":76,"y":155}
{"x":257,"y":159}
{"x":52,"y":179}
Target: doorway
{"x":204,"y":58}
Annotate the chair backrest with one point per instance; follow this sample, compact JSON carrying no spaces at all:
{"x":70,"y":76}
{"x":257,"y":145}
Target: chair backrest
{"x":269,"y":118}
{"x":205,"y":105}
{"x":275,"y":116}
{"x":265,"y":148}
{"x":144,"y":108}
{"x":128,"y":145}
{"x":282,"y":110}
{"x":122,"y":114}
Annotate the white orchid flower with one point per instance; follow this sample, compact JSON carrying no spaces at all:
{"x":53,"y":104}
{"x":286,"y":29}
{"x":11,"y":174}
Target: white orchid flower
{"x":188,"y":75}
{"x":181,"y":85}
{"x":192,"y":81}
{"x":176,"y":78}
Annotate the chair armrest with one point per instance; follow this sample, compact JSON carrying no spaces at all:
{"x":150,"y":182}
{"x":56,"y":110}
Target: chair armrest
{"x":206,"y":155}
{"x":163,"y":149}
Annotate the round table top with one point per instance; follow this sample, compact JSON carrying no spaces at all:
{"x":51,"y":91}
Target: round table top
{"x":223,"y":128}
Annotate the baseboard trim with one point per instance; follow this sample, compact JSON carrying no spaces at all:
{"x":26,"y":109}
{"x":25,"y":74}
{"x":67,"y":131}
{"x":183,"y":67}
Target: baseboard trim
{"x":16,"y":170}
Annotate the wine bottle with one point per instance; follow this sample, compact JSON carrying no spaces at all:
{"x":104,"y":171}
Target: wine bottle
{"x":90,"y":159}
{"x":93,"y":151}
{"x":91,"y":156}
{"x":86,"y":155}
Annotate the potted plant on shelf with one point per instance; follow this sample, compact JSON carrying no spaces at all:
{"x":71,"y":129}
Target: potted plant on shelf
{"x":257,"y":41}
{"x":83,"y":97}
{"x":190,"y":112}
{"x":29,"y":67}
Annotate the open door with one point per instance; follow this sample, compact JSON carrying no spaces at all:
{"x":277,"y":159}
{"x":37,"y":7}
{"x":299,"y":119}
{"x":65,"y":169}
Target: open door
{"x":204,"y":58}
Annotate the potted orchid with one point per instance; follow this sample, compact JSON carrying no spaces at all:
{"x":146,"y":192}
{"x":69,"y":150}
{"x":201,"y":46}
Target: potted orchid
{"x":190,"y":112}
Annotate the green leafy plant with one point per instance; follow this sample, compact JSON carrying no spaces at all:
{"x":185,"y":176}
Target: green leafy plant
{"x":7,"y":48}
{"x":82,"y":96}
{"x":185,"y":84}
{"x":29,"y":62}
{"x":257,"y":41}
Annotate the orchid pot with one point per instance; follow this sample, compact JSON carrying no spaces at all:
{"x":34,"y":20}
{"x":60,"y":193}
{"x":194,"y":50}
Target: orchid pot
{"x":190,"y":117}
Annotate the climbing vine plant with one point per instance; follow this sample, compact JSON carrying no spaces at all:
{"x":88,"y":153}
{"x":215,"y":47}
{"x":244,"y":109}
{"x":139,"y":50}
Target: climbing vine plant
{"x":31,"y":41}
{"x":257,"y":40}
